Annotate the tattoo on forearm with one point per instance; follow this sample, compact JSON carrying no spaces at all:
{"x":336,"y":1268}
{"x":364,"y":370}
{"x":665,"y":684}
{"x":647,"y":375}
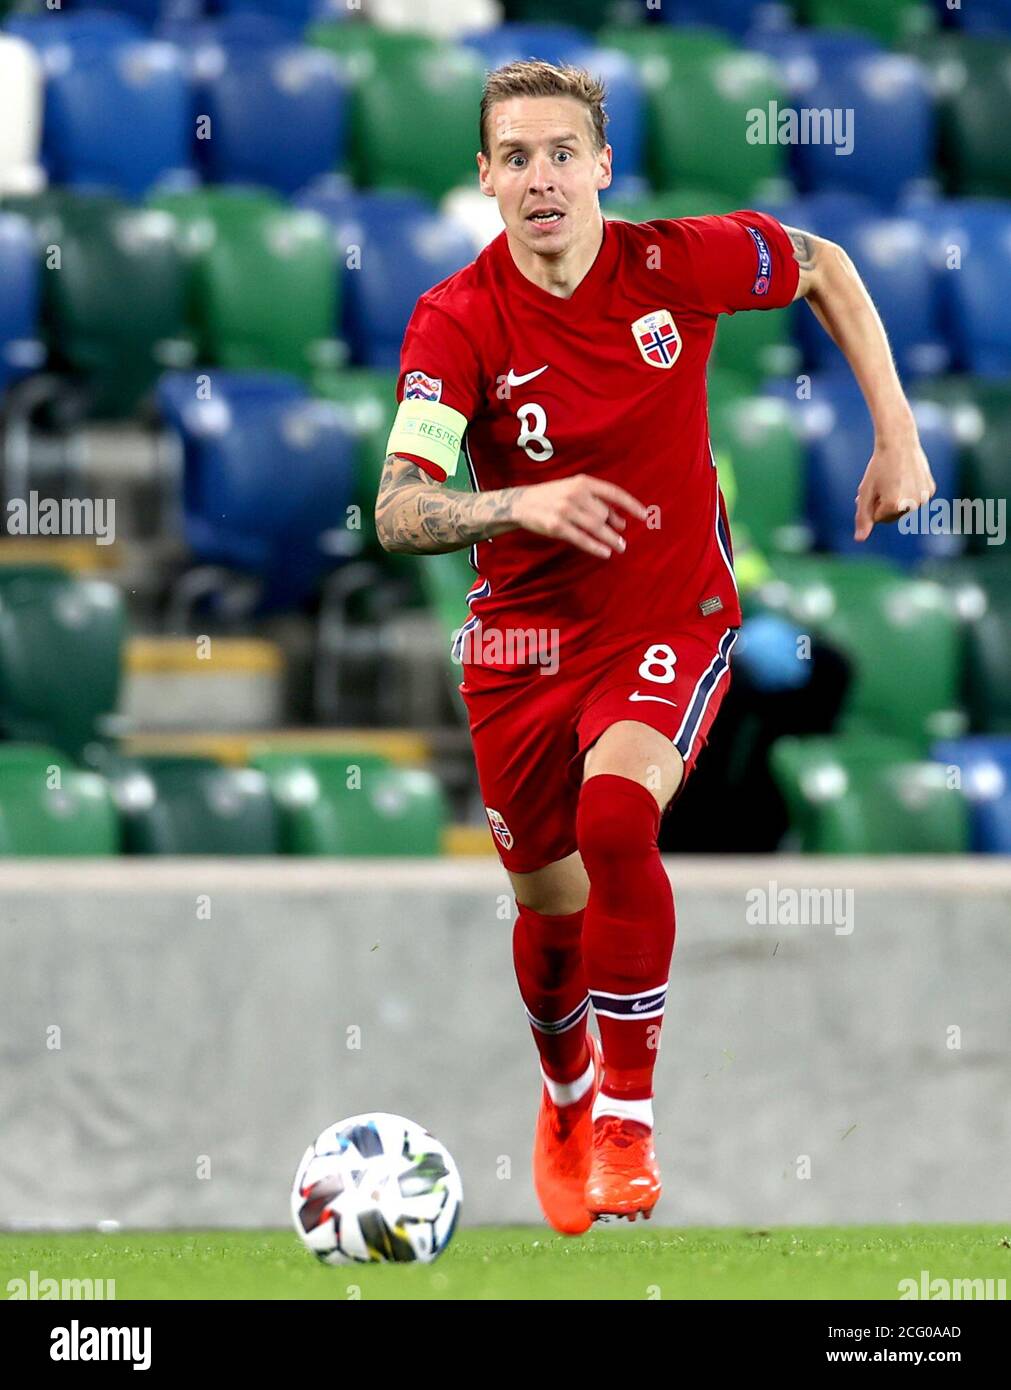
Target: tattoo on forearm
{"x":805,"y":247}
{"x":417,"y":515}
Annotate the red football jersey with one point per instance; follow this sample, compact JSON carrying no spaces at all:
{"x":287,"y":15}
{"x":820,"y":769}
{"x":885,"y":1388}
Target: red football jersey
{"x":609,"y":382}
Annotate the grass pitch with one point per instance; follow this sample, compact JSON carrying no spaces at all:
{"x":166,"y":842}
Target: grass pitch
{"x":526,"y":1262}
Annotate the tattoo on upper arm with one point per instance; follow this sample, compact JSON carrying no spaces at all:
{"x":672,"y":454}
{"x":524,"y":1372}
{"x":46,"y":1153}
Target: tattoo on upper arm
{"x":805,"y":247}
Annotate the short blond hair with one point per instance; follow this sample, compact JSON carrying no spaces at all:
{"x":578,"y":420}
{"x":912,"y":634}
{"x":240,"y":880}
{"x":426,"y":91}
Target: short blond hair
{"x":534,"y":78}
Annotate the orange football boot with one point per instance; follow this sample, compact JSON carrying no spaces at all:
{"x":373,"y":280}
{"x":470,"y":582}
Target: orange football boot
{"x":562,"y":1143}
{"x":624,"y":1178}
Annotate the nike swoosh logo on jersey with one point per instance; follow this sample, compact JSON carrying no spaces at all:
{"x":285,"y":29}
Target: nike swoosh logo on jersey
{"x":636,"y":696}
{"x":641,"y":1005}
{"x":513,"y":380}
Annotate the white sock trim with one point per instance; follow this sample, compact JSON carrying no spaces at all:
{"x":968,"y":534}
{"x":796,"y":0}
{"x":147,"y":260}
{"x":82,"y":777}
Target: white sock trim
{"x":568,"y":1092}
{"x":639,"y":1110}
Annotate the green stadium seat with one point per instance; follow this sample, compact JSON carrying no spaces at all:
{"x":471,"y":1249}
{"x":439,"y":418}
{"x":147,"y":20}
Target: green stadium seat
{"x":699,"y":91}
{"x":902,"y":636}
{"x":979,"y":588}
{"x":329,"y":808}
{"x":40,"y":818}
{"x":264,"y":282}
{"x":675,"y":202}
{"x":891,"y":21}
{"x":39,"y":756}
{"x":181,"y":805}
{"x":411,"y":93}
{"x":867,"y":795}
{"x":980,"y":410}
{"x":371,"y":400}
{"x":768,"y":466}
{"x":61,"y":642}
{"x":972,"y":82}
{"x":115,"y":302}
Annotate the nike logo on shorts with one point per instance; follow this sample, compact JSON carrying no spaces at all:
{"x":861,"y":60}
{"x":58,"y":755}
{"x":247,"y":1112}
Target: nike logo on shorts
{"x":636,"y":696}
{"x":513,"y":380}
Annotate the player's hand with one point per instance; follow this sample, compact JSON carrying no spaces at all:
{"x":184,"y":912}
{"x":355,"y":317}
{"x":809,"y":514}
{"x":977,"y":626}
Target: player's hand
{"x":898,"y":480}
{"x":585,"y":511}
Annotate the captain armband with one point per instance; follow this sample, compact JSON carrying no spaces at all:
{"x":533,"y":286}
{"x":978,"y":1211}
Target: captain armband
{"x":429,"y":429}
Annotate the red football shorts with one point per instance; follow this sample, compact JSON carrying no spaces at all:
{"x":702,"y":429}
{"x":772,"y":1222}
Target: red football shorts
{"x":530,"y":730}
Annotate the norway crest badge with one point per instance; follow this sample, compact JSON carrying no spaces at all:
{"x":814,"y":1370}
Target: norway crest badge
{"x":500,"y":830}
{"x":657,"y":338}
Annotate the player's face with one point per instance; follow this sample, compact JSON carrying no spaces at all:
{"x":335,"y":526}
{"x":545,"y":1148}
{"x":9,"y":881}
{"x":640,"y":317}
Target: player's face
{"x":543,"y":162}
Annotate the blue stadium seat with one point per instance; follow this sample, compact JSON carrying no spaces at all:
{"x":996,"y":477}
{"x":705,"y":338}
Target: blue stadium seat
{"x":991,"y":825}
{"x":117,"y":116}
{"x":798,"y":51}
{"x":20,"y":349}
{"x":266,"y":479}
{"x":297,"y":13}
{"x":893,"y":256}
{"x":179,"y":393}
{"x":626,"y":118}
{"x":984,"y":764}
{"x":406,"y":248}
{"x":231,"y":31}
{"x":983,"y":17}
{"x":892,"y":126}
{"x":145,"y":12}
{"x":738,"y":17}
{"x":48,"y":29}
{"x":974,"y":297}
{"x":554,"y":43}
{"x":839,"y":437}
{"x":278,"y":115}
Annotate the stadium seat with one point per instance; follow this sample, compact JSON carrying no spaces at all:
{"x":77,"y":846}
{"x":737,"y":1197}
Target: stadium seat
{"x":698,"y":113}
{"x":61,"y":641}
{"x":116,"y":117}
{"x":354,"y":804}
{"x":835,"y":423}
{"x":509,"y":43}
{"x":887,"y":626}
{"x":411,"y":93}
{"x":117,"y":301}
{"x":974,"y":288}
{"x":675,"y":202}
{"x":980,"y":412}
{"x":403,"y":250}
{"x":142,"y":13}
{"x":626,"y":128}
{"x":988,"y":660}
{"x":21,"y":98}
{"x":891,"y":22}
{"x":21,"y":350}
{"x":296,"y":13}
{"x":268,"y":481}
{"x":40,"y":819}
{"x":179,"y":805}
{"x":867,"y":795}
{"x":369,"y":399}
{"x":982,"y":766}
{"x":896,"y":261}
{"x":971,"y":77}
{"x":984,"y":17}
{"x":737,"y":17}
{"x":264,"y":287}
{"x":48,"y":28}
{"x":278,"y":116}
{"x":768,"y":468}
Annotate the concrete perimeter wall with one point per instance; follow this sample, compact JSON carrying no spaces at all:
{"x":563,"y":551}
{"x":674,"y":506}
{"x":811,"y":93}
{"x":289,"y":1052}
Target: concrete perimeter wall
{"x":212,"y":1017}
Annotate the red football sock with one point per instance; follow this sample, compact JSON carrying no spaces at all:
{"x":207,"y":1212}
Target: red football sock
{"x":549,"y":971}
{"x":628,"y":928}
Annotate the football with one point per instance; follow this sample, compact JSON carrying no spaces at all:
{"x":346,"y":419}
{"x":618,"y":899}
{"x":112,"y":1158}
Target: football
{"x":374,"y":1189}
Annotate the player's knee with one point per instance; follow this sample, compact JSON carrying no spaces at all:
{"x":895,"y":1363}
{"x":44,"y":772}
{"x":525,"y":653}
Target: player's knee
{"x":617,"y":821}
